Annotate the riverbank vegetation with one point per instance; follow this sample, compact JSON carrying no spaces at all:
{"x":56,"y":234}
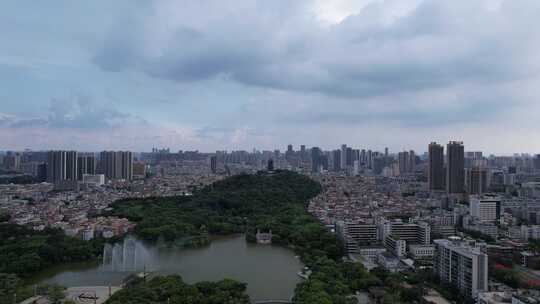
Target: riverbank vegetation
{"x":24,"y":251}
{"x":172,"y":289}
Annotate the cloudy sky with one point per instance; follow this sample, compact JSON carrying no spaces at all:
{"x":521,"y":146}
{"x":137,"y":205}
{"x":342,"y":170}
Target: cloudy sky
{"x":207,"y":75}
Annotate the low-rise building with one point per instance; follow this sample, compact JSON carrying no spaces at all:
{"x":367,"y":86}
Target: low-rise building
{"x":422,"y":252}
{"x":396,"y":246}
{"x":388,"y":262}
{"x":494,"y":298}
{"x":530,"y":232}
{"x":371,"y":252}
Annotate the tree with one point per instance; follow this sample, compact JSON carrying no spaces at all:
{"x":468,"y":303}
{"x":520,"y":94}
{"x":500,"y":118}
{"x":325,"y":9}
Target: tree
{"x":4,"y":216}
{"x":534,"y":245}
{"x":56,"y":293}
{"x":8,"y":287}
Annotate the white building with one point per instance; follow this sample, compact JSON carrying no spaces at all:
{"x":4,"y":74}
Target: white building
{"x":486,"y":228}
{"x":356,"y":169}
{"x":94,"y":179}
{"x":388,"y":262}
{"x":371,"y":253}
{"x":461,"y":265}
{"x":421,"y":252}
{"x":413,"y":233}
{"x":530,"y":232}
{"x":486,"y":209}
{"x":361,"y":233}
{"x":88,"y":234}
{"x":396,"y":246}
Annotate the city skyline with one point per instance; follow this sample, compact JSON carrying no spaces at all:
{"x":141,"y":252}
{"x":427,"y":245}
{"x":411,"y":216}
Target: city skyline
{"x":422,"y":151}
{"x":235,"y":75}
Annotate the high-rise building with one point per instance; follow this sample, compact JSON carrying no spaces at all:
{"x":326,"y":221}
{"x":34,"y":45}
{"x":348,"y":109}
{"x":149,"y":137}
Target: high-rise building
{"x":61,"y":166}
{"x":455,"y":164}
{"x":289,"y":153}
{"x":349,"y":155}
{"x":476,"y":180}
{"x":71,"y":165}
{"x":42,"y":172}
{"x":343,"y":156}
{"x":56,"y":171}
{"x":270,"y":165}
{"x":86,"y":164}
{"x":356,"y":167}
{"x":356,"y":155}
{"x":127,"y":165}
{"x":412,"y":161}
{"x":12,"y":161}
{"x":436,"y":166}
{"x":461,"y":265}
{"x":316,"y":160}
{"x":403,"y":162}
{"x":213,"y":164}
{"x":336,"y":160}
{"x":536,"y":162}
{"x":363,"y":158}
{"x":117,"y":165}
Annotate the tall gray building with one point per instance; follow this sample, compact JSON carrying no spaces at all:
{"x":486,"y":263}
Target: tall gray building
{"x":213,"y":164}
{"x":476,"y":180}
{"x":412,"y":161}
{"x":536,"y":162}
{"x":336,"y":160}
{"x":343,"y":156}
{"x":86,"y":164}
{"x":350,"y":157}
{"x":403,"y":162}
{"x":369,"y":159}
{"x":117,"y":165}
{"x":406,"y":162}
{"x":316,"y":159}
{"x":61,"y":165}
{"x":455,"y":165}
{"x":436,"y":166}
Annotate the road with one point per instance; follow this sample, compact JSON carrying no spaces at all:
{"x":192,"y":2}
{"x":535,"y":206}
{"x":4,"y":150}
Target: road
{"x":90,"y":294}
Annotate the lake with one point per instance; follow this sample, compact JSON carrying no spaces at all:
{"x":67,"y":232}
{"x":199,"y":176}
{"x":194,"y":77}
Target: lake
{"x":270,"y":271}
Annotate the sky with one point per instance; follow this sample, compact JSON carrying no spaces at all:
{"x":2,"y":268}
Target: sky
{"x":226,"y":75}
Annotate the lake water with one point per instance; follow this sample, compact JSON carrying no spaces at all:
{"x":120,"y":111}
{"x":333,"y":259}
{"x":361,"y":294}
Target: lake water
{"x":269,"y":271}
